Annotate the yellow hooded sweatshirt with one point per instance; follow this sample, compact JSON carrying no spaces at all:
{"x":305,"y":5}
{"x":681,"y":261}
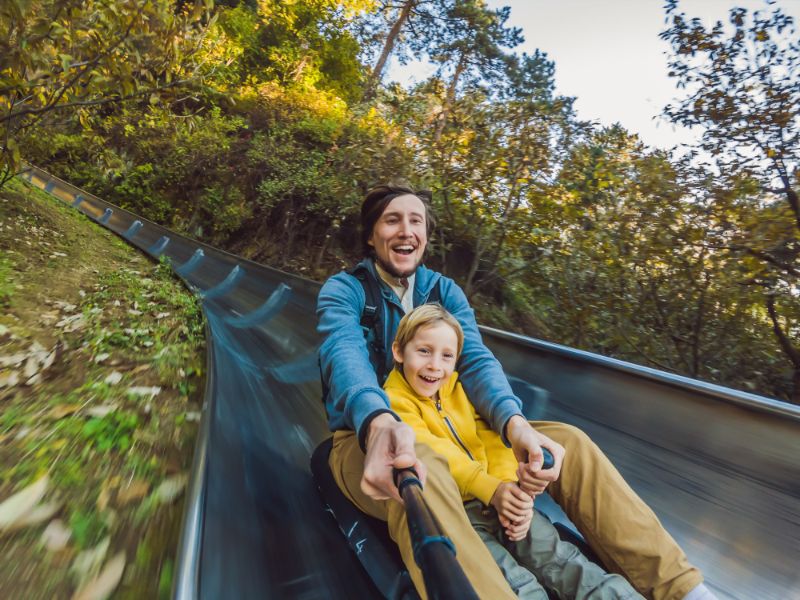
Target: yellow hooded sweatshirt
{"x":478,"y":459}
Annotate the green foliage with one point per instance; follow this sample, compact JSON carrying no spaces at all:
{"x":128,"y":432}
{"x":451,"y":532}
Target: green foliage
{"x":6,"y":285}
{"x":57,"y":56}
{"x":87,"y":527}
{"x":136,"y":190}
{"x":165,"y":580}
{"x":112,"y":432}
{"x":742,"y":87}
{"x":307,"y":44}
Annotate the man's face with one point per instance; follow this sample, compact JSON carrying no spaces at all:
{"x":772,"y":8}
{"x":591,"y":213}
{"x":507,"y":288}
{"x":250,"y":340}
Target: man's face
{"x":400,"y":236}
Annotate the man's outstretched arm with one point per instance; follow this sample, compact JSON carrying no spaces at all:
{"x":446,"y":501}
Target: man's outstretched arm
{"x":355,"y":400}
{"x":488,"y":389}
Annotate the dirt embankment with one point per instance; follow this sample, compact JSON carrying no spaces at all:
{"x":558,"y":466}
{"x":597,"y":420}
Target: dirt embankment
{"x":101,"y":353}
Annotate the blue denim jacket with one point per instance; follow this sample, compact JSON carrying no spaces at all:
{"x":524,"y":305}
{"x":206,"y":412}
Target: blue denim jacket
{"x":355,"y":395}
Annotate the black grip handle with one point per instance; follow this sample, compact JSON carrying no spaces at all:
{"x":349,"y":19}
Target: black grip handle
{"x":405,"y":476}
{"x":548,"y":461}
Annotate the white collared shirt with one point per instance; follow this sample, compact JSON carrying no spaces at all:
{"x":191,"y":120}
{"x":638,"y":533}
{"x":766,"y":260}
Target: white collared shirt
{"x":406,"y":295}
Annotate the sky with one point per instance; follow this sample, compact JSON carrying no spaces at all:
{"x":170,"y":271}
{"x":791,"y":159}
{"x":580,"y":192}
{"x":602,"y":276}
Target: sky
{"x":609,"y":56}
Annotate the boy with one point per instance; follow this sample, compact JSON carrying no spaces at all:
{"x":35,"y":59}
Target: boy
{"x":425,"y":393}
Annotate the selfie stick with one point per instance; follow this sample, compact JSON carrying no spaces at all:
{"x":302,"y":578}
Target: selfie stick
{"x":434,"y":553}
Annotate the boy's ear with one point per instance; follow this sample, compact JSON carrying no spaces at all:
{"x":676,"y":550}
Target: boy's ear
{"x":398,"y":357}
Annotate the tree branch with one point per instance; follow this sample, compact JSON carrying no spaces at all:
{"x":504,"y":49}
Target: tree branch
{"x":784,"y":340}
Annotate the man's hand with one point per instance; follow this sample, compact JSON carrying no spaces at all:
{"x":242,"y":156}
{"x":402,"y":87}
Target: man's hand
{"x":527,"y":445}
{"x":390,"y":445}
{"x":514,"y":509}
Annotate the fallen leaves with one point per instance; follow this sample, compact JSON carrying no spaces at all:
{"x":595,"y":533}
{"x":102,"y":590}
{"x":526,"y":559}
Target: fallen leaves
{"x":56,"y":536}
{"x":149,"y":391}
{"x":170,"y":488}
{"x":13,"y":360}
{"x":106,"y":582}
{"x":35,"y":361}
{"x":113,"y":378}
{"x":87,"y":564}
{"x":63,"y":410}
{"x":12,"y":509}
{"x":72,"y":323}
{"x":101,"y":411}
{"x":137,"y":490}
{"x":24,"y":509}
{"x":8,"y":379}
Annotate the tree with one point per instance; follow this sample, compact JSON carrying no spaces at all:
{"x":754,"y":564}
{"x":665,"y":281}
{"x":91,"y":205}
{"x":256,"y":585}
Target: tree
{"x":469,"y":49}
{"x":487,"y":167}
{"x":303,"y":43}
{"x":743,"y":89}
{"x":58,"y":55}
{"x":417,"y":18}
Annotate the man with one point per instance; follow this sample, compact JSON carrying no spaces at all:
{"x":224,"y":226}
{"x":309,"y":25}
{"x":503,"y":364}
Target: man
{"x":370,"y":440}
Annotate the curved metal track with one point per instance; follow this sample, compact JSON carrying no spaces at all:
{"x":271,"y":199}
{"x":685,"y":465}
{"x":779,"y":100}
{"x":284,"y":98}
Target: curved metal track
{"x":720,"y":467}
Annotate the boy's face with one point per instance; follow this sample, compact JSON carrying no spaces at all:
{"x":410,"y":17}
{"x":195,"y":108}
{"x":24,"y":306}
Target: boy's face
{"x":400,"y":235}
{"x":429,"y":358}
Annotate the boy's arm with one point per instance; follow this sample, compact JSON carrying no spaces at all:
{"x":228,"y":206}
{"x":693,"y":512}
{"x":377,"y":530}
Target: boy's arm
{"x":469,"y":475}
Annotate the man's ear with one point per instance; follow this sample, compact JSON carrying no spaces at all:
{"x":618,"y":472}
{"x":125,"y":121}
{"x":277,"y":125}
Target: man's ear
{"x":398,"y":357}
{"x":370,"y":242}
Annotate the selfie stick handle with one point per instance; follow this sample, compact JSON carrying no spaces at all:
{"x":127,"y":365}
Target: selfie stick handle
{"x":434,"y":552}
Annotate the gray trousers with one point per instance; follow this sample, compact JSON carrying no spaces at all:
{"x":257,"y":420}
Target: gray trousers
{"x":541,"y":561}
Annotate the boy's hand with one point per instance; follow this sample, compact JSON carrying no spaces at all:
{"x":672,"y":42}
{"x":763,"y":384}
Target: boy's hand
{"x":517,"y":531}
{"x":514,"y":508}
{"x":527,"y":445}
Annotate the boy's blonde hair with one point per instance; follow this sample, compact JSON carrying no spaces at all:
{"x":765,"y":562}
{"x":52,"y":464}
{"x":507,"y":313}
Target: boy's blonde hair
{"x":423,"y":316}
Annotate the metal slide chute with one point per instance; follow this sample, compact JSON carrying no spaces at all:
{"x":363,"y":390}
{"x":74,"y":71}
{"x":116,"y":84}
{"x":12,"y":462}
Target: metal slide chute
{"x":718,"y":466}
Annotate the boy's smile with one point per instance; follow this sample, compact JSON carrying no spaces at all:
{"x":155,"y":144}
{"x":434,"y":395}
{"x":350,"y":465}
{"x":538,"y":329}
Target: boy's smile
{"x":429,"y":358}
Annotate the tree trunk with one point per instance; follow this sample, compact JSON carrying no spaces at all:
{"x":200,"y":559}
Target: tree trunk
{"x":699,"y":321}
{"x":791,"y":196}
{"x":450,"y":98}
{"x":786,"y":345}
{"x":377,"y":73}
{"x":509,"y":205}
{"x":326,"y":242}
{"x":473,"y":269}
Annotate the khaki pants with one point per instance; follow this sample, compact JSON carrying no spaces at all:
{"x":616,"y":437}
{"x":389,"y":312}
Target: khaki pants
{"x":621,"y":529}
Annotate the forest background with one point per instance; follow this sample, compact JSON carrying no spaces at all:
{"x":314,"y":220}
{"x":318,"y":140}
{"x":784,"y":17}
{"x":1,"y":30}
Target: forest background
{"x":258,"y":125}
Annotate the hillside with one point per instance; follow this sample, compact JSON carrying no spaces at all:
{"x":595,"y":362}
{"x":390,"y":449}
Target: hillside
{"x":101,"y":356}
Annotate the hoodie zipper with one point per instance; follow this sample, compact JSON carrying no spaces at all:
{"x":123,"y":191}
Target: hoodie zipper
{"x":452,"y":428}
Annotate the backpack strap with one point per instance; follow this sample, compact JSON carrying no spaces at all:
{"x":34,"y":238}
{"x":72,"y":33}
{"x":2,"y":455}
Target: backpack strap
{"x":373,"y":319}
{"x":435,"y":297}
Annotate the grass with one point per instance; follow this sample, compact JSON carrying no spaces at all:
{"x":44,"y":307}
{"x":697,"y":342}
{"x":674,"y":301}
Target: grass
{"x":106,"y":420}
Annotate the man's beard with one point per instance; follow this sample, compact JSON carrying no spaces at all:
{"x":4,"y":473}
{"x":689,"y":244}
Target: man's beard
{"x":394,"y":272}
